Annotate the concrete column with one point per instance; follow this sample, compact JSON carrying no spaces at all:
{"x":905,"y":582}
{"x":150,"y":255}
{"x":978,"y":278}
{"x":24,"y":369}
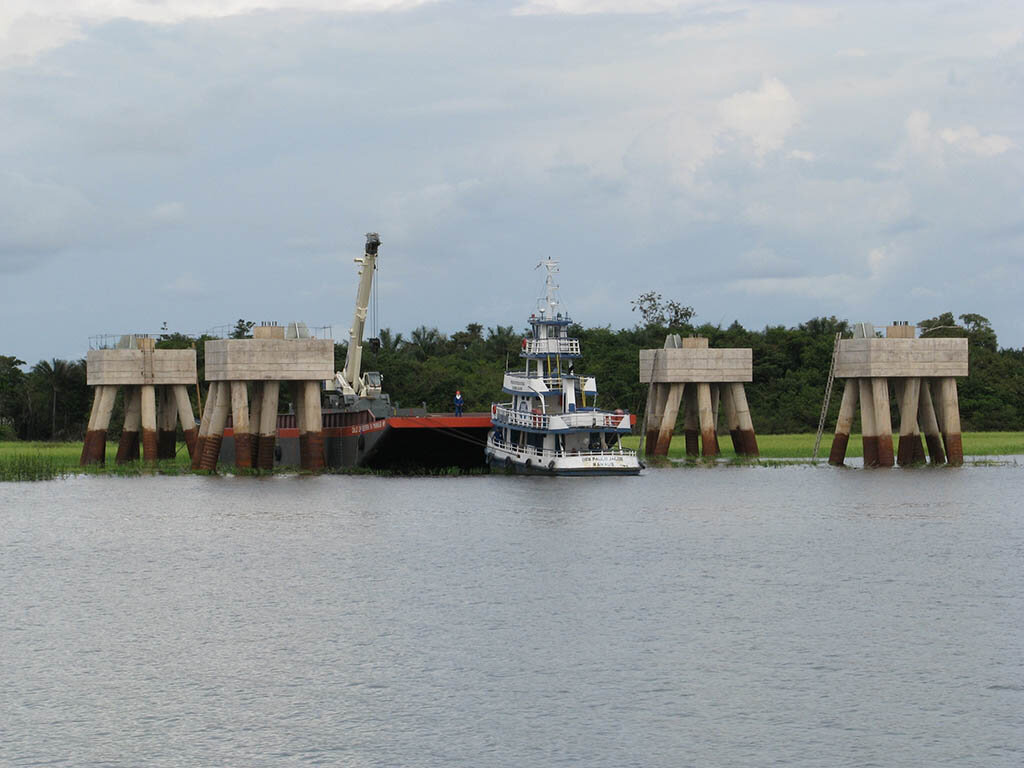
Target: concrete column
{"x":847,"y":409}
{"x":312,"y":413}
{"x":240,"y":422}
{"x":910,"y":438}
{"x":716,"y":401}
{"x":732,"y":421}
{"x":204,"y":424}
{"x":268,"y":423}
{"x":218,"y":420}
{"x":149,"y":442}
{"x":706,"y":414}
{"x":691,"y":420}
{"x":883,"y":420}
{"x":299,"y":406}
{"x":652,"y":420}
{"x":930,"y":425}
{"x":167,"y":421}
{"x":671,"y":398}
{"x":255,"y":408}
{"x":186,"y":417}
{"x":94,"y":449}
{"x":868,"y":430}
{"x":128,"y":448}
{"x":747,"y":437}
{"x":951,"y":422}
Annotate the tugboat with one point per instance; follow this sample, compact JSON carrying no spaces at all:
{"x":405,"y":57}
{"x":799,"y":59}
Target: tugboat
{"x":552,"y":425}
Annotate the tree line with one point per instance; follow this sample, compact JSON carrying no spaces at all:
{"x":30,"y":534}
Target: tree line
{"x":51,"y":401}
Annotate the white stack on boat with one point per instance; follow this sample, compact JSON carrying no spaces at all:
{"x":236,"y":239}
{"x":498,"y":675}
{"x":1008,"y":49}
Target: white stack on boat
{"x":552,"y":424}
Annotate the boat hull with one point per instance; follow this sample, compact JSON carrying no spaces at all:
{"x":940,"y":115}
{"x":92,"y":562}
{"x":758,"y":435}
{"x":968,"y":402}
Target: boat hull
{"x":572,"y":465}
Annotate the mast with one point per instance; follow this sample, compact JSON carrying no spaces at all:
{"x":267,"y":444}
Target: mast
{"x":349,"y":380}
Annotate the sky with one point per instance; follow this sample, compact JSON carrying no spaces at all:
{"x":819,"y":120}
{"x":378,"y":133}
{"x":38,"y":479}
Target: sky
{"x":193,"y":163}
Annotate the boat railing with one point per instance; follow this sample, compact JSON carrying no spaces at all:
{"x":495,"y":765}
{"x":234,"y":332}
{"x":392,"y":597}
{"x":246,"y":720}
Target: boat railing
{"x":545,"y":453}
{"x":576,"y":420}
{"x":551,"y":347}
{"x":507,"y":415}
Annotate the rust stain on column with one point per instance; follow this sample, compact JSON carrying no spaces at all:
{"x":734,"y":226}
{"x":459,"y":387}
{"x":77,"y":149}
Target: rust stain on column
{"x":869,"y":437}
{"x":671,"y":397}
{"x":653,"y":425}
{"x":268,"y":424}
{"x":128,"y":448}
{"x":951,"y":422}
{"x":312,"y":414}
{"x":883,"y":421}
{"x":844,"y":423}
{"x":909,"y":394}
{"x":748,"y":440}
{"x":149,"y":441}
{"x":204,"y":424}
{"x":930,"y":425}
{"x":708,"y":439}
{"x":240,"y":420}
{"x":691,"y":421}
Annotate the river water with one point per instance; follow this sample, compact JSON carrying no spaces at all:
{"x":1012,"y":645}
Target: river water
{"x":735,"y":616}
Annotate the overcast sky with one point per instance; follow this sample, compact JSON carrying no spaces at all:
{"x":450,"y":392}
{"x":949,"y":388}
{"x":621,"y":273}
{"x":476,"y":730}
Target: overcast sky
{"x":194,"y":162}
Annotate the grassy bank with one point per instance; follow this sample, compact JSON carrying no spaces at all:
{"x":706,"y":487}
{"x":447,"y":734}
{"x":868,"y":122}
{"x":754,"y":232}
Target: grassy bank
{"x":802,"y":446}
{"x":45,"y":461}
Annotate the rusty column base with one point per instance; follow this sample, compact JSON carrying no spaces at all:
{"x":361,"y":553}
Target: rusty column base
{"x":191,"y":435}
{"x":210,"y":452}
{"x":870,"y":443}
{"x":748,"y":443}
{"x":197,"y":452}
{"x":243,"y":450}
{"x":935,"y":449}
{"x":737,"y":441}
{"x":166,"y":444}
{"x":304,"y":450}
{"x":254,"y":450}
{"x":709,"y":442}
{"x":692,"y":442}
{"x":94,"y":449}
{"x":128,"y":447}
{"x":885,"y":452}
{"x":265,"y":452}
{"x":905,"y":451}
{"x":651,"y":442}
{"x":315,"y":451}
{"x":149,"y":445}
{"x":837,"y":455}
{"x":662,"y":445}
{"x":919,"y":454}
{"x":954,"y":450}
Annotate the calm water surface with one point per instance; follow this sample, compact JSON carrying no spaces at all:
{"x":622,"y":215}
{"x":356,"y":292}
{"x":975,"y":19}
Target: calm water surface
{"x":794,"y":616}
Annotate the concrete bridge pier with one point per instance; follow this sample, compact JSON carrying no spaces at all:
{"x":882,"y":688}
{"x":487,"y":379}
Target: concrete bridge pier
{"x":691,"y":421}
{"x":930,"y":424}
{"x":268,"y":423}
{"x":668,"y":403}
{"x":313,"y":416}
{"x":844,"y":424}
{"x":204,"y":424}
{"x":94,"y":449}
{"x":128,"y":448}
{"x":910,"y":450}
{"x":149,"y":443}
{"x":706,"y":416}
{"x":167,"y":423}
{"x":186,"y":417}
{"x":883,"y":421}
{"x":255,"y":409}
{"x":218,"y":420}
{"x":240,"y":422}
{"x":748,"y":439}
{"x":868,"y":430}
{"x":951,"y":435}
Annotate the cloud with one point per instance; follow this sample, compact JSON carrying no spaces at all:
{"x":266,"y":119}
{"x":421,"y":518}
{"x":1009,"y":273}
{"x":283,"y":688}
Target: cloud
{"x":938,"y":146}
{"x":765,"y":116}
{"x":31,"y":27}
{"x":38,"y":218}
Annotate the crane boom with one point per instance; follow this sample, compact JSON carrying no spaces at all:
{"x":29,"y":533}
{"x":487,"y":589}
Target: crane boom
{"x":348,"y":381}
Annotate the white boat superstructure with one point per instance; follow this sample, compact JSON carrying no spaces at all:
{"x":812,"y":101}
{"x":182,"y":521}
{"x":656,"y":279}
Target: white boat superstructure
{"x":552,"y":424}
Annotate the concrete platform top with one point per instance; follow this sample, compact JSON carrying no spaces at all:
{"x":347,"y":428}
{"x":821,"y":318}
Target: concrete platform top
{"x":696,"y":364}
{"x":127,"y":367}
{"x":878,"y":358}
{"x":269,"y":360}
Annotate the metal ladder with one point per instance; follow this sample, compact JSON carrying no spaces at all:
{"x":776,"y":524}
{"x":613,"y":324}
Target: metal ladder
{"x":828,"y":396}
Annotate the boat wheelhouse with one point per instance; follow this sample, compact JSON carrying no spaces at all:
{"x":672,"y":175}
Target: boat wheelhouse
{"x":552,"y":424}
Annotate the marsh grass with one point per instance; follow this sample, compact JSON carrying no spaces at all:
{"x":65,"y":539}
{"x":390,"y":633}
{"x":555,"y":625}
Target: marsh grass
{"x":48,"y":461}
{"x":801,"y":446}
